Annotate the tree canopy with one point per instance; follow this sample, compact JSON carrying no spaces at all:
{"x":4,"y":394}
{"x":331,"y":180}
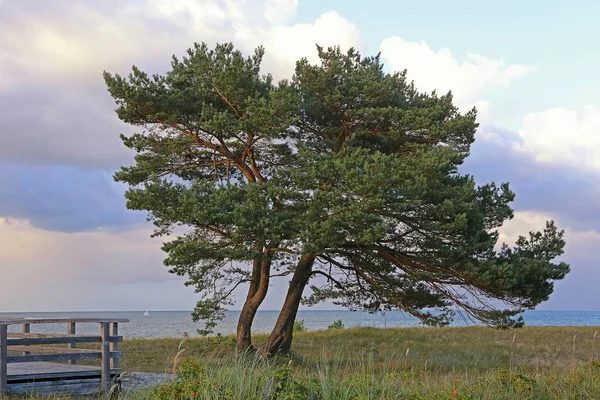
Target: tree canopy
{"x":344,"y":177}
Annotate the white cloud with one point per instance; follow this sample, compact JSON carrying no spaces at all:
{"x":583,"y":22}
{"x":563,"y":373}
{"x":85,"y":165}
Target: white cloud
{"x":578,"y":290}
{"x":65,"y":52}
{"x":84,"y":41}
{"x":287,"y":44}
{"x":563,"y":137}
{"x":485,"y":114}
{"x":280,"y":11}
{"x":49,"y":58}
{"x":469,"y":80}
{"x":577,"y":241}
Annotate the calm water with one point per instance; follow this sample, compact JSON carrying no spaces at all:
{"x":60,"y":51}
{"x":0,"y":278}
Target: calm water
{"x":174,"y":323}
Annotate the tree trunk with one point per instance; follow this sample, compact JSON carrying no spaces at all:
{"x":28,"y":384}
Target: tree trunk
{"x":280,"y":339}
{"x":261,"y":269}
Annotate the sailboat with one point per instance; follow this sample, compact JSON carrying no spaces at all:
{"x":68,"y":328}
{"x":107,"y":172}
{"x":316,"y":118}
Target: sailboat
{"x":146,"y":313}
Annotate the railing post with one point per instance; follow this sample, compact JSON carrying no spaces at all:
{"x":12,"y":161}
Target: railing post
{"x":3,"y":359}
{"x":105,"y":360}
{"x":114,"y":346}
{"x":26,"y":329}
{"x":71,"y":328}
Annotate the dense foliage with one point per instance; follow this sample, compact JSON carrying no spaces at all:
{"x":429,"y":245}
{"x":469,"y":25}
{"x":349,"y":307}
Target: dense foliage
{"x":345,"y":177}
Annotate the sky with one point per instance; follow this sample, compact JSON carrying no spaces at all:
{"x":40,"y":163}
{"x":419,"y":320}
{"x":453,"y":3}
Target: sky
{"x":67,"y":241}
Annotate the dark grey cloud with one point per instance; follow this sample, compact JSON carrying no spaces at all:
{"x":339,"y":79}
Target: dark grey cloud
{"x":61,"y":126}
{"x":566,"y":193}
{"x":63,"y":198}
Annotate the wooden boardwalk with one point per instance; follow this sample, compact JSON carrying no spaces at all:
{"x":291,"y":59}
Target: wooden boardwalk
{"x":46,"y":370}
{"x":47,"y":378}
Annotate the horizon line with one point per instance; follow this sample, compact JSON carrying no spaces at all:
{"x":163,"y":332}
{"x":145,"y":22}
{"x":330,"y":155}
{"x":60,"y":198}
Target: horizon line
{"x":272,"y":310}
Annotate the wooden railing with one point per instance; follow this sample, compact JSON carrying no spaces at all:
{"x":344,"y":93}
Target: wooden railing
{"x":22,"y":343}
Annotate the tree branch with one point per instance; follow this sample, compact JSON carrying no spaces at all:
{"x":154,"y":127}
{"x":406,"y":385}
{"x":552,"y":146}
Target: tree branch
{"x":339,"y":285}
{"x":226,"y":100}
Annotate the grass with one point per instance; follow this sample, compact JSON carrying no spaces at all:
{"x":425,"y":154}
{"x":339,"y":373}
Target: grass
{"x":441,"y":349}
{"x":370,"y":363}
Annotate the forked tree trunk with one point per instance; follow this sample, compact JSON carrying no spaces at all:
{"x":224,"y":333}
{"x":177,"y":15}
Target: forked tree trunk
{"x":280,"y":339}
{"x":257,"y":291}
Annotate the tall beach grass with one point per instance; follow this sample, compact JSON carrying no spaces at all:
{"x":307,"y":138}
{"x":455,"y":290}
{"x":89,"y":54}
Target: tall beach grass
{"x":369,"y":363}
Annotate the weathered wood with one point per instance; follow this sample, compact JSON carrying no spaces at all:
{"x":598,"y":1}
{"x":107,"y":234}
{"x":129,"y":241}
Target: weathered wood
{"x":58,"y":375}
{"x":48,"y":370}
{"x":26,"y":329}
{"x":56,"y":339}
{"x":19,"y":321}
{"x":48,"y":335}
{"x":76,"y":387}
{"x":3,"y":359}
{"x":72,"y":345}
{"x":105,"y":360}
{"x":60,"y":357}
{"x":30,"y":373}
{"x":114,"y":346}
{"x":52,"y":350}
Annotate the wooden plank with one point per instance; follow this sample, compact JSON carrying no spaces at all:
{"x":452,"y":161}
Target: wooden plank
{"x":75,"y":387}
{"x":47,"y":335}
{"x":105,"y":360}
{"x":53,"y":350}
{"x":48,"y":370}
{"x":53,"y":357}
{"x":59,"y":357}
{"x":26,"y":329}
{"x":58,"y":375}
{"x":114,"y":346}
{"x":58,"y":339}
{"x":19,"y":321}
{"x":31,"y":373}
{"x":3,"y":359}
{"x":72,"y":345}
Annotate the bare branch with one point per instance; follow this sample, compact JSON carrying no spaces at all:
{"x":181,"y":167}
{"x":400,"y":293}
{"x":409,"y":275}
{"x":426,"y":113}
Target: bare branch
{"x":339,"y":285}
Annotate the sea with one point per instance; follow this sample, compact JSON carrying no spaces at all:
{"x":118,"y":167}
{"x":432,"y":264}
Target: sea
{"x":159,"y":324}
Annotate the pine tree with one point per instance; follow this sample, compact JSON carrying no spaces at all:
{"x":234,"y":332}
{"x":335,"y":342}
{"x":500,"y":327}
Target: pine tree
{"x":344,"y":177}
